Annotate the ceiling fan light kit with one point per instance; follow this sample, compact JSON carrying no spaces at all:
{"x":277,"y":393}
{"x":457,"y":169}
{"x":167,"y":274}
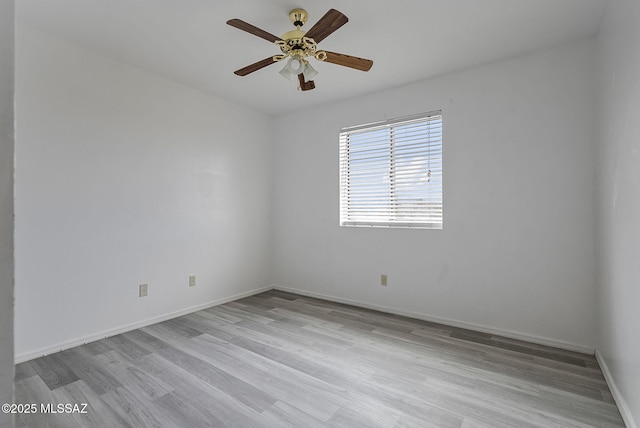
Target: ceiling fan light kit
{"x":298,"y":45}
{"x":295,"y":66}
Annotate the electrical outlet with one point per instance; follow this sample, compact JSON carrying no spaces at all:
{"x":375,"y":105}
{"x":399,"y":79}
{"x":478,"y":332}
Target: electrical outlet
{"x":192,"y":280}
{"x":143,"y":290}
{"x":383,"y":280}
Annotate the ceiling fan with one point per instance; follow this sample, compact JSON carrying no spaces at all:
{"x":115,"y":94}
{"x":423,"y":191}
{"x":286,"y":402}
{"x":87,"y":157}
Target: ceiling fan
{"x":298,"y":45}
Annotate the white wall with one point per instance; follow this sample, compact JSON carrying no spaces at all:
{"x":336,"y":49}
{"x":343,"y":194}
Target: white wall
{"x":619,"y":202}
{"x":124,"y":178}
{"x":517,"y":251}
{"x":6,"y":206}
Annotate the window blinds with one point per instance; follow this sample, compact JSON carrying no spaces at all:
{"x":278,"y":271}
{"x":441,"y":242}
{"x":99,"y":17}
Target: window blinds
{"x":391,"y":173}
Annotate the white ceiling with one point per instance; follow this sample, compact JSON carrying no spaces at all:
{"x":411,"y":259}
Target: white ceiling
{"x":408,"y":40}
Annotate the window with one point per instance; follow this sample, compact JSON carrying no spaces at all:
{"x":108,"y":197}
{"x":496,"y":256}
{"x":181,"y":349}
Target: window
{"x":391,"y":173}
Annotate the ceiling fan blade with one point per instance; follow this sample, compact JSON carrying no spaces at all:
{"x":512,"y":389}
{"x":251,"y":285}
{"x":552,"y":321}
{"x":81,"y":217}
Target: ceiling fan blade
{"x":329,"y":23}
{"x":255,"y":66}
{"x":305,"y":86}
{"x":349,"y":61}
{"x":252,"y":29}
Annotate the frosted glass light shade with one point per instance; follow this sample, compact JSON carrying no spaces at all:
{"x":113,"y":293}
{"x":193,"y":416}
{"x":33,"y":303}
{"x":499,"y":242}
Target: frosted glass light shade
{"x":309,"y":72}
{"x":296,"y":66}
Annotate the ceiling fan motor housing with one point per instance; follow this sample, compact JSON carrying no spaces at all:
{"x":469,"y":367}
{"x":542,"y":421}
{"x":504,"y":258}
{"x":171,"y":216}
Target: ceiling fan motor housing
{"x":298,"y":17}
{"x":294,"y":44}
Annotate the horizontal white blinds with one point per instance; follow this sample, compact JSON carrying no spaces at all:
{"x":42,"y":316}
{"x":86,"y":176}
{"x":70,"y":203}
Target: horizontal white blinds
{"x":391,"y":173}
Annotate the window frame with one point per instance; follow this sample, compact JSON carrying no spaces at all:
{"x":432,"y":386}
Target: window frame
{"x":349,"y":219}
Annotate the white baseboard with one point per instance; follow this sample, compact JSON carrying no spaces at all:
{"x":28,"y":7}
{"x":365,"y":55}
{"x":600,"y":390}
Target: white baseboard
{"x":617,"y":396}
{"x":450,"y":322}
{"x":26,"y":356}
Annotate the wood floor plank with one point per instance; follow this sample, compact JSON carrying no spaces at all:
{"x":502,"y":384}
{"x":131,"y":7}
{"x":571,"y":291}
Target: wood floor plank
{"x":240,"y":390}
{"x":125,"y":346}
{"x":201,"y":400}
{"x":282,"y":360}
{"x":280,"y":381}
{"x":82,"y":363}
{"x":33,"y":390}
{"x":98,"y":413}
{"x":23,"y":371}
{"x":134,"y":379}
{"x":53,"y":370}
{"x":134,"y":410}
{"x":287,"y":415}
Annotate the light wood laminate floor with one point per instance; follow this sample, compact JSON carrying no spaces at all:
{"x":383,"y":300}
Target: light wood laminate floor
{"x":283,"y":360}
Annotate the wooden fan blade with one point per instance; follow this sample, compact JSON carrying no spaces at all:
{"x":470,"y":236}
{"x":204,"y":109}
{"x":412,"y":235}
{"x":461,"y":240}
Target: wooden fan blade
{"x":252,"y":29}
{"x":329,"y":23}
{"x":349,"y":61}
{"x":254,"y":67}
{"x":305,"y":86}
